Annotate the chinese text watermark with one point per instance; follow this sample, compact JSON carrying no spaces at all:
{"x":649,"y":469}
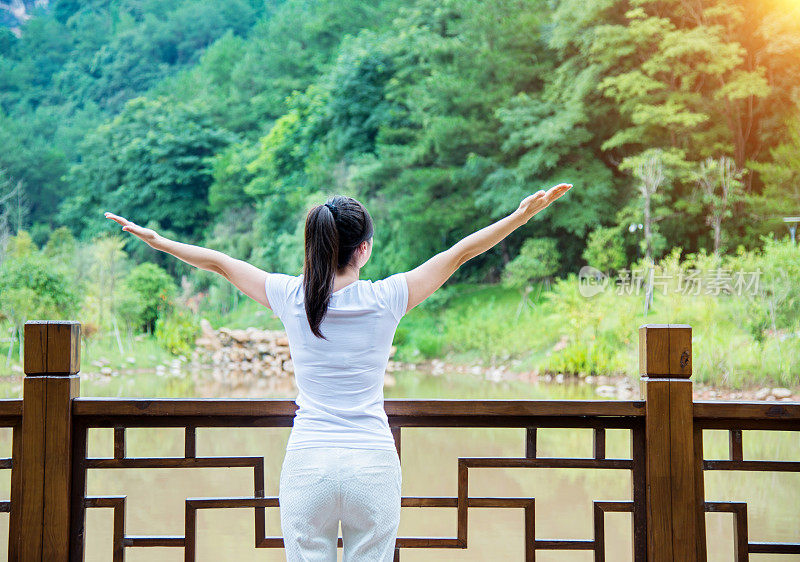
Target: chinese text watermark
{"x":686,"y":282}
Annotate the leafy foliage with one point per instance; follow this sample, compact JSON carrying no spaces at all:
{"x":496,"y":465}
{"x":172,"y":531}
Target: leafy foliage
{"x":538,"y":258}
{"x":154,"y":289}
{"x":151,"y":161}
{"x":176,"y":332}
{"x":31,"y":289}
{"x":605,"y":249}
{"x":222,"y":123}
{"x":439,"y":115}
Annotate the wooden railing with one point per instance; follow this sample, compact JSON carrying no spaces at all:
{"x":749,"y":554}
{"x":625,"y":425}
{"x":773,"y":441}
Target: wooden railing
{"x":49,"y":461}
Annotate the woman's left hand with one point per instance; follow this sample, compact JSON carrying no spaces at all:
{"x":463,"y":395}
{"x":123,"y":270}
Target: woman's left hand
{"x":149,"y":236}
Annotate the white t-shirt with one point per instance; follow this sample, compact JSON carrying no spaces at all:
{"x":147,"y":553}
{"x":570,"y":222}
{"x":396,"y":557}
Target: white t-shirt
{"x":340,"y":380}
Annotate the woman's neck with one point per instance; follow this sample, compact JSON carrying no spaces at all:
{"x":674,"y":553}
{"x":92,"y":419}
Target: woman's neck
{"x":344,"y":277}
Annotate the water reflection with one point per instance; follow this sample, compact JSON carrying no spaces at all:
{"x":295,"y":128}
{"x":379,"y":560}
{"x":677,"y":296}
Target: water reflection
{"x":563,"y":496}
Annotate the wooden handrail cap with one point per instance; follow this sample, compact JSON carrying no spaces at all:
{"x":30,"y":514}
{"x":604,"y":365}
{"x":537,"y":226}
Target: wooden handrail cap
{"x":665,"y":351}
{"x":52,"y":347}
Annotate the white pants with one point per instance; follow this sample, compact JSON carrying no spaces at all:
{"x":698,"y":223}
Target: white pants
{"x":320,"y":486}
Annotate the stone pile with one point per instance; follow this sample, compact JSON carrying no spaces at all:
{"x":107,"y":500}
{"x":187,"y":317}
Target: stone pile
{"x":242,"y":357}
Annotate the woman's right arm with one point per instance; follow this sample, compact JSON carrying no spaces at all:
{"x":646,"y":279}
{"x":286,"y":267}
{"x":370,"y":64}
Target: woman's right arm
{"x":244,"y":276}
{"x":425,"y":279}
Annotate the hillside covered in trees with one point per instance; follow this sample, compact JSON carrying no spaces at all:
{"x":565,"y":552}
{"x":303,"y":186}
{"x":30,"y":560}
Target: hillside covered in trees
{"x":219,"y":123}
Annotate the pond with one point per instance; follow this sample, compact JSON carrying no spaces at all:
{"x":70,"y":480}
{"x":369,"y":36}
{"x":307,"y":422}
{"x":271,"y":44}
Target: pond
{"x":563,"y":496}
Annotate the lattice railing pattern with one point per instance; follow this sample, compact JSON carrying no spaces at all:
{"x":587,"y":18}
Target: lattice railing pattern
{"x":666,"y":464}
{"x":461,"y":503}
{"x":11,"y":418}
{"x":743,"y":546}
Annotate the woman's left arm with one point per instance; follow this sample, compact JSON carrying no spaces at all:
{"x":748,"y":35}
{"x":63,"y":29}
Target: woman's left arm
{"x":246,"y":277}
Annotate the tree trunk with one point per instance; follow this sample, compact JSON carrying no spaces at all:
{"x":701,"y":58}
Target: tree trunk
{"x":647,"y":234}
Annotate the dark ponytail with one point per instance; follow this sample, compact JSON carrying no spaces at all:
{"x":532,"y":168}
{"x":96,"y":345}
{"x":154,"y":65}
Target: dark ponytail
{"x":333,"y":232}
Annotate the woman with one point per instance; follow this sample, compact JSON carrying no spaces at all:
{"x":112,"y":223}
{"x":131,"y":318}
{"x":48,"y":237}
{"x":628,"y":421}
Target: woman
{"x":341,"y":464}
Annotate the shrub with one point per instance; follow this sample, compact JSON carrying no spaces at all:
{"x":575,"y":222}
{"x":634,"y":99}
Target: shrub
{"x":776,"y":303}
{"x":156,"y":290}
{"x":32,"y":287}
{"x":605,"y":249}
{"x":429,"y":345}
{"x":176,"y":332}
{"x":585,"y":358}
{"x":538,"y":258}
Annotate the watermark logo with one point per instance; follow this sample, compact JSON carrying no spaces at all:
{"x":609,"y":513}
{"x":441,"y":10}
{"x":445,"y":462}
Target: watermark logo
{"x":591,"y":281}
{"x":689,"y":282}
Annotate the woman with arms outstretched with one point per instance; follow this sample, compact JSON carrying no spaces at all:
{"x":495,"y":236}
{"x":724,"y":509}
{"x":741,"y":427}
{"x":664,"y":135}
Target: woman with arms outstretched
{"x":341,"y":463}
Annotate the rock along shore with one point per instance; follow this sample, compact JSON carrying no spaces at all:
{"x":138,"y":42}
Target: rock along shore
{"x":242,"y":357}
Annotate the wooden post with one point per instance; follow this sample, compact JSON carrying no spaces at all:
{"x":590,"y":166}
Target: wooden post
{"x":39,"y":527}
{"x":665,"y":365}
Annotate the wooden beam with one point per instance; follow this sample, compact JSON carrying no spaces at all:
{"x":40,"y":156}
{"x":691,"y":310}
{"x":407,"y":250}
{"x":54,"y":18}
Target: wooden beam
{"x":41,"y":524}
{"x":30,"y":528}
{"x":212,"y":407}
{"x":665,"y":365}
{"x":58,"y":466}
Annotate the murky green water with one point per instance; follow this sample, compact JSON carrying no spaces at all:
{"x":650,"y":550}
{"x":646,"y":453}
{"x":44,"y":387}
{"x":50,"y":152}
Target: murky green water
{"x":564,"y":497}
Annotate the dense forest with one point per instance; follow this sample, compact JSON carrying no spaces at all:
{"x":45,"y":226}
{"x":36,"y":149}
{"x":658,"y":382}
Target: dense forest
{"x":220,"y":123}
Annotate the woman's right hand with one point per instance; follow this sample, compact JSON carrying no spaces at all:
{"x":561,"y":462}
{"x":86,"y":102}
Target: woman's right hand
{"x":532,"y":204}
{"x":149,"y":236}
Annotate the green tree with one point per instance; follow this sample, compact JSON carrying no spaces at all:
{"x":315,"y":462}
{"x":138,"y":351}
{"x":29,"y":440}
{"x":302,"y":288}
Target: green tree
{"x":357,"y":103}
{"x":605,"y":249}
{"x":32,"y":288}
{"x":246,"y":83}
{"x":148,"y":163}
{"x":281,"y":182}
{"x":105,"y":274}
{"x":20,"y":246}
{"x":720,"y":185}
{"x":548,"y":140}
{"x":654,"y":171}
{"x":693,"y":78}
{"x":781,"y":177}
{"x":61,"y":245}
{"x":155,"y":290}
{"x":231,"y":175}
{"x":77,"y":64}
{"x":773,"y":302}
{"x":454,"y":64}
{"x":682,"y":80}
{"x":538,"y":259}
